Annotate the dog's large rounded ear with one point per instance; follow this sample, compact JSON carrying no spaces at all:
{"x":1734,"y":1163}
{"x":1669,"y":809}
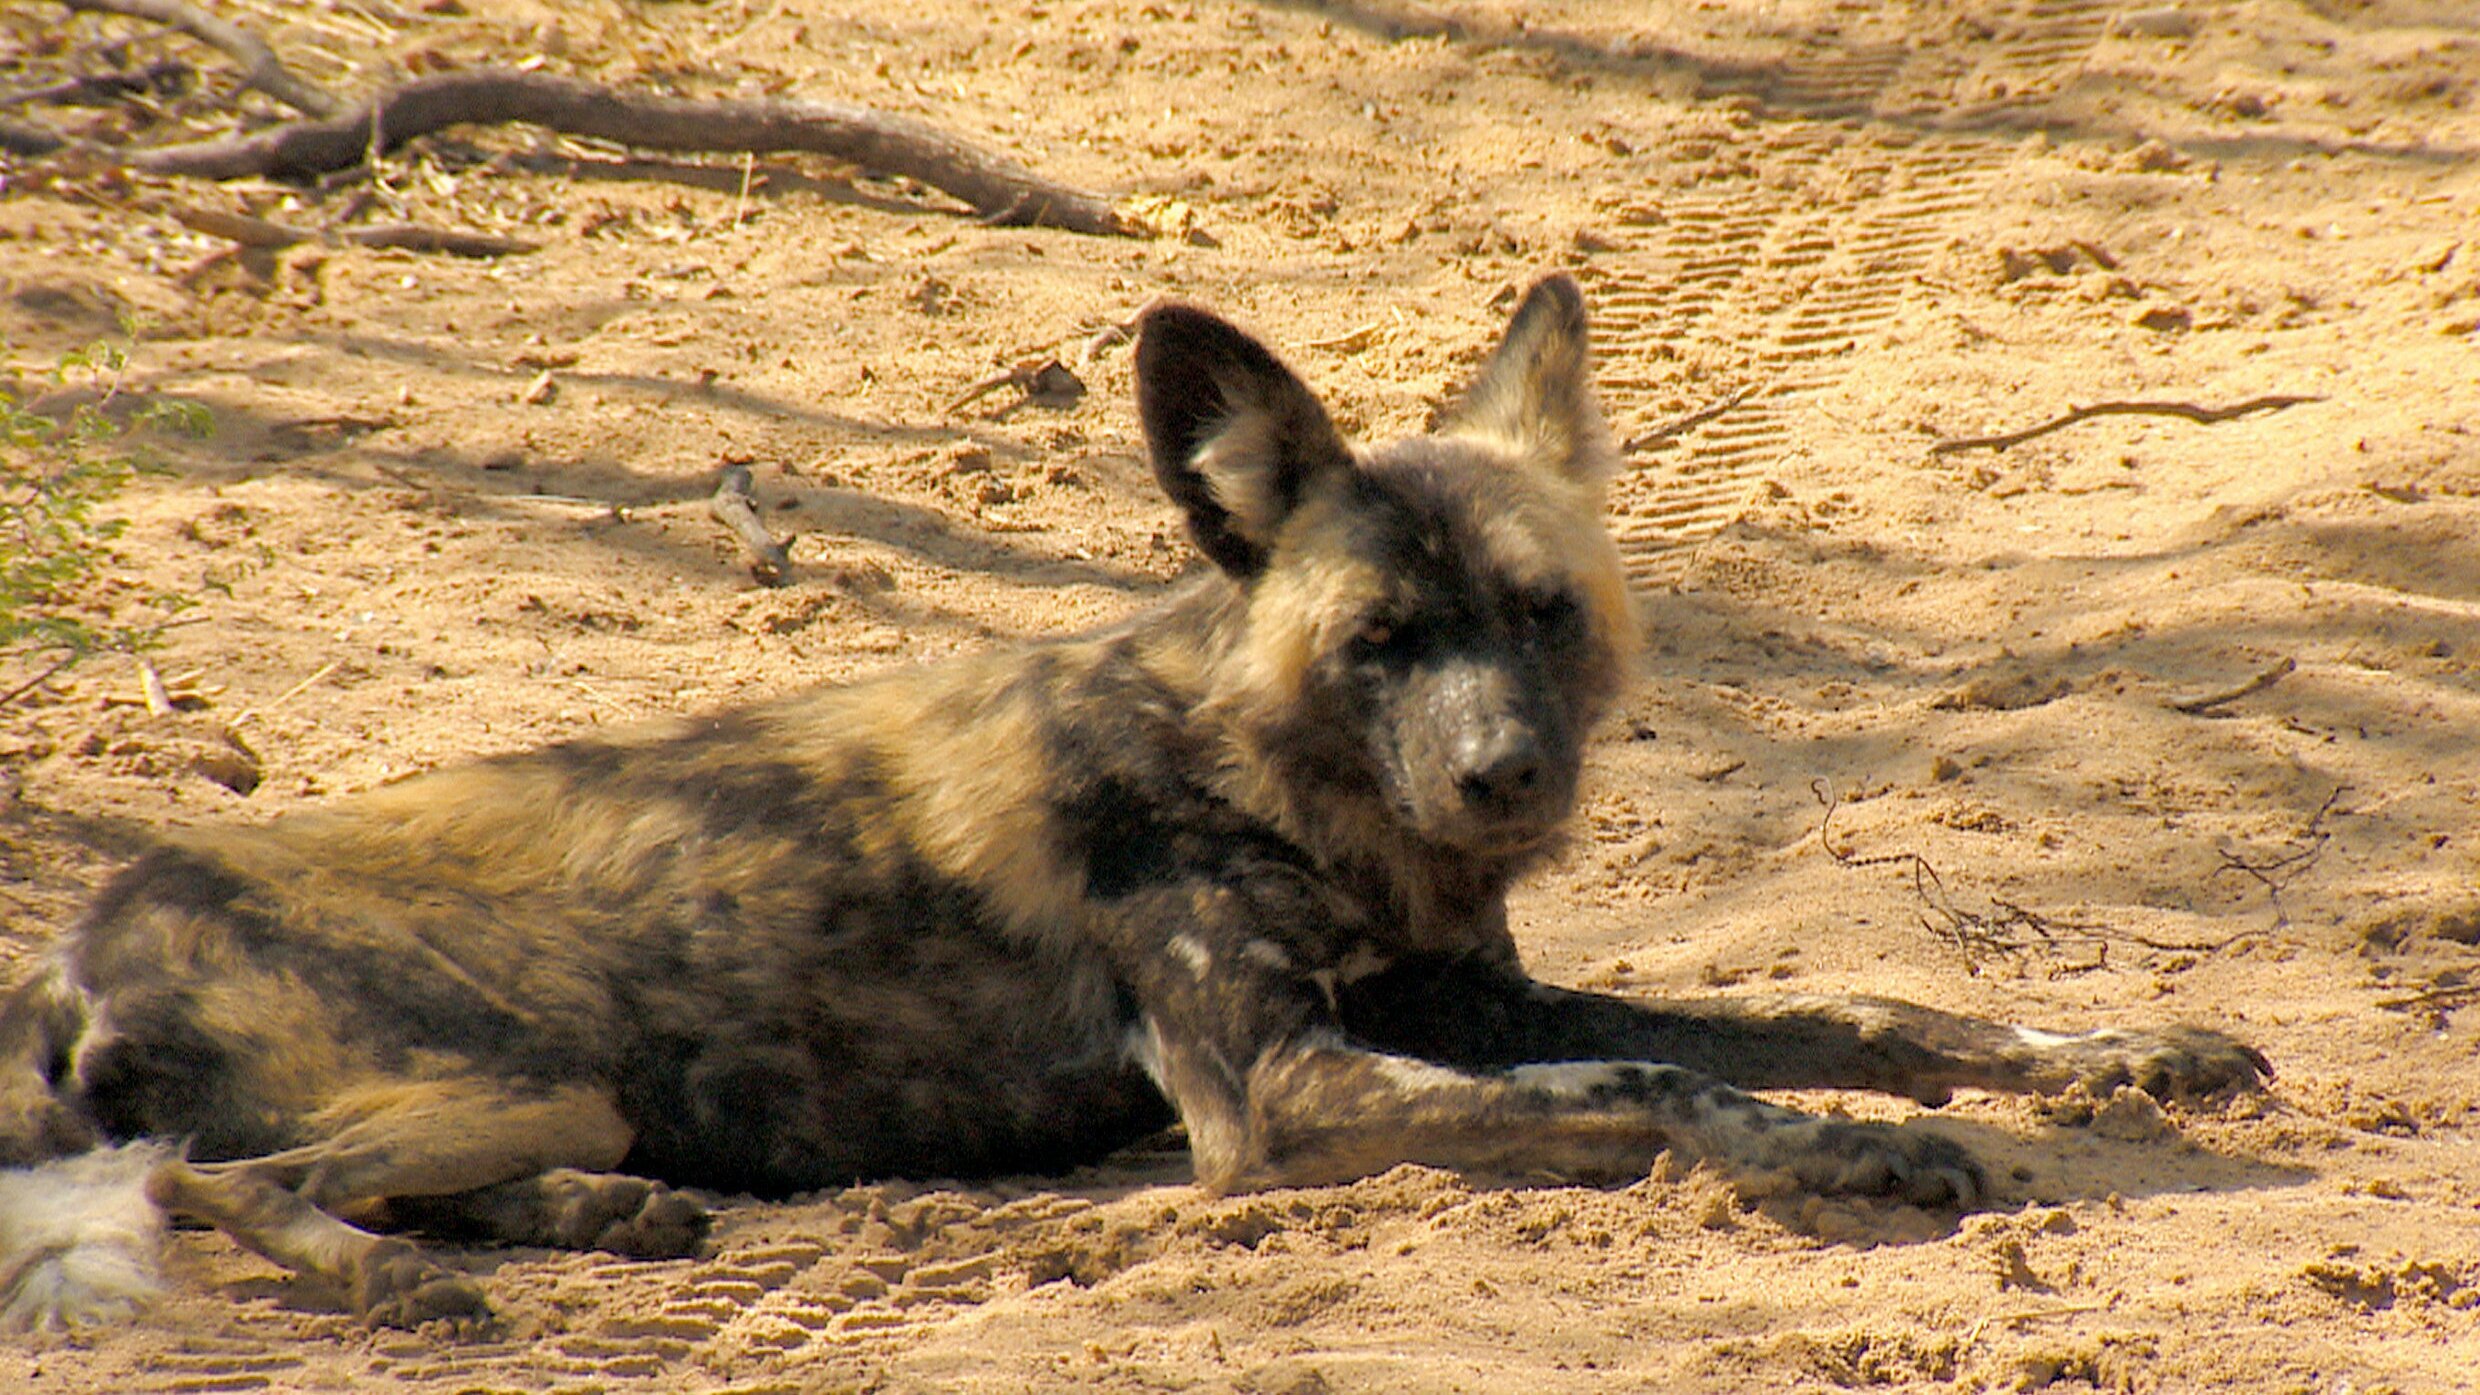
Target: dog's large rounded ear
{"x":1534,"y":398}
{"x":1236,"y":438}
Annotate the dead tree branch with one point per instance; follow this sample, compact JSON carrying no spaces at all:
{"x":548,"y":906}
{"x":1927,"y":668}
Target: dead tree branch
{"x":737,"y":509}
{"x":260,"y":66}
{"x":1002,"y":191}
{"x":2185,"y":411}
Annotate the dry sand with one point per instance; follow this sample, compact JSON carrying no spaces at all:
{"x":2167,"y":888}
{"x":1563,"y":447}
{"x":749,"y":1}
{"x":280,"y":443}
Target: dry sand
{"x":1888,"y":224}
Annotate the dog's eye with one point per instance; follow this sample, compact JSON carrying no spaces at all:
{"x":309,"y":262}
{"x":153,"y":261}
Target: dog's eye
{"x":1385,"y":639}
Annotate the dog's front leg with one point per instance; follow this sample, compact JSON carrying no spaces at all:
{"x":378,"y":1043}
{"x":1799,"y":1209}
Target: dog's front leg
{"x":1313,"y":1107}
{"x":1322,"y":1109}
{"x":1483,"y":1013}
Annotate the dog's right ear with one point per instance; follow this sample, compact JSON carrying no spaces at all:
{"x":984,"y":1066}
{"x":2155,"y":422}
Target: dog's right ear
{"x":1236,"y":437}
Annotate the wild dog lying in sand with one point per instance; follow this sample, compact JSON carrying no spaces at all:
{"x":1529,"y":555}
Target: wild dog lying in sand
{"x":1239,"y":862}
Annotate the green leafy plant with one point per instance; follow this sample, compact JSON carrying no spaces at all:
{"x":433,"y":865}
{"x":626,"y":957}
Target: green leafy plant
{"x":57,"y":475}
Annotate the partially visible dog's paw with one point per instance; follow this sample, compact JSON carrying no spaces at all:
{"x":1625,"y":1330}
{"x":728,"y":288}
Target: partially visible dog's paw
{"x":2171,"y":1063}
{"x":402,"y":1287}
{"x":1846,"y":1158}
{"x":625,"y":1215}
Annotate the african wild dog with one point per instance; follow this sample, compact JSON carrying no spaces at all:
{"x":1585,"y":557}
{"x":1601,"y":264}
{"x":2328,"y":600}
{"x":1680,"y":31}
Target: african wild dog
{"x":1239,"y":862}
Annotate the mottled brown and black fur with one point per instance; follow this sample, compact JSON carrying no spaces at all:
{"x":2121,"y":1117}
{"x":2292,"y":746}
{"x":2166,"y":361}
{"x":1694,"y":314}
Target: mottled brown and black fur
{"x":1240,"y":863}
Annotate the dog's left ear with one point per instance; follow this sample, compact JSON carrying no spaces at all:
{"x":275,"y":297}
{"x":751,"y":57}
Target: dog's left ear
{"x":1535,"y":395}
{"x":1236,"y":438}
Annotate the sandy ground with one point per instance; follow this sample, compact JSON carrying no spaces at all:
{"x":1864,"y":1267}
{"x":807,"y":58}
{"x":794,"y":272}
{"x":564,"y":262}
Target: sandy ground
{"x":457,"y":507}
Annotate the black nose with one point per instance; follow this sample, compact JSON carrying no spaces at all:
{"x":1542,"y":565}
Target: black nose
{"x":1500,"y":769}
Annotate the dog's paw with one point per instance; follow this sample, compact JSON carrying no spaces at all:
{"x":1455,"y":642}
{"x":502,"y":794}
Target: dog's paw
{"x":1846,"y":1158}
{"x":625,"y":1215}
{"x":402,"y":1287}
{"x":2171,"y":1063}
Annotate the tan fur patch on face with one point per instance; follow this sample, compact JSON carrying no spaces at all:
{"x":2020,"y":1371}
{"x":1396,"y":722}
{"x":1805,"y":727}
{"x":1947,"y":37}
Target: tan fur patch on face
{"x":1305,"y":606}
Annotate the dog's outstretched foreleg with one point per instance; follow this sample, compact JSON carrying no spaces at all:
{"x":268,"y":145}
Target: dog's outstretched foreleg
{"x":1484,"y":1014}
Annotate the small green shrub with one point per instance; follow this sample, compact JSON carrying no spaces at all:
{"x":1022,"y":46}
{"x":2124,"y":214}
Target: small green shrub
{"x":56,"y":477}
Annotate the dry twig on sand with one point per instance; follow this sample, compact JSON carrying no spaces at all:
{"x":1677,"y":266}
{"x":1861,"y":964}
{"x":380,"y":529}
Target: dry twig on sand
{"x":1000,"y":190}
{"x":2006,"y":928}
{"x":410,"y":237}
{"x":1045,"y":381}
{"x":260,"y":66}
{"x":2185,"y":411}
{"x":2276,"y":873}
{"x":737,"y":509}
{"x":2203,"y":706}
{"x":1672,"y":430}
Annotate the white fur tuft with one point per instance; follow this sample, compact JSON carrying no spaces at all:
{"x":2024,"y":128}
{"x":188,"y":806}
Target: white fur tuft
{"x":80,"y":1241}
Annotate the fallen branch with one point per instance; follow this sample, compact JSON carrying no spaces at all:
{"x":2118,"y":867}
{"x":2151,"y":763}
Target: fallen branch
{"x":2185,"y":411}
{"x":737,"y":509}
{"x":1002,"y":191}
{"x":97,"y":89}
{"x":2202,"y":706}
{"x":260,"y":66}
{"x":411,"y":237}
{"x":1672,"y":430}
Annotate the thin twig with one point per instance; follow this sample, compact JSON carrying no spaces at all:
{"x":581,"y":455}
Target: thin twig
{"x":2186,"y":411}
{"x":39,"y":679}
{"x":260,"y":66}
{"x":2277,"y":873}
{"x":2006,"y":928}
{"x":409,"y":237}
{"x":2199,"y":706}
{"x":2451,"y":995}
{"x":1043,"y":380}
{"x":94,"y":89}
{"x":1674,"y":429}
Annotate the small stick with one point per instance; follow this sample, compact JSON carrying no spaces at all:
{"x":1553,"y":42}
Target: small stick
{"x":95,"y":88}
{"x":260,"y":232}
{"x":2450,"y":995}
{"x":737,"y":509}
{"x":261,"y":68}
{"x":2201,"y":706}
{"x":2186,"y":411}
{"x":39,"y":679}
{"x":1688,"y":423}
{"x":1043,"y":380}
{"x":288,"y":694}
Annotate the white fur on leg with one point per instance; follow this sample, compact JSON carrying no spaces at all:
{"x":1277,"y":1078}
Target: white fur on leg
{"x":80,"y":1242}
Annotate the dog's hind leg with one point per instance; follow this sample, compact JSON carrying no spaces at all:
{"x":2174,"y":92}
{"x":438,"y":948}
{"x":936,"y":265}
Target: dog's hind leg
{"x":407,"y":1140}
